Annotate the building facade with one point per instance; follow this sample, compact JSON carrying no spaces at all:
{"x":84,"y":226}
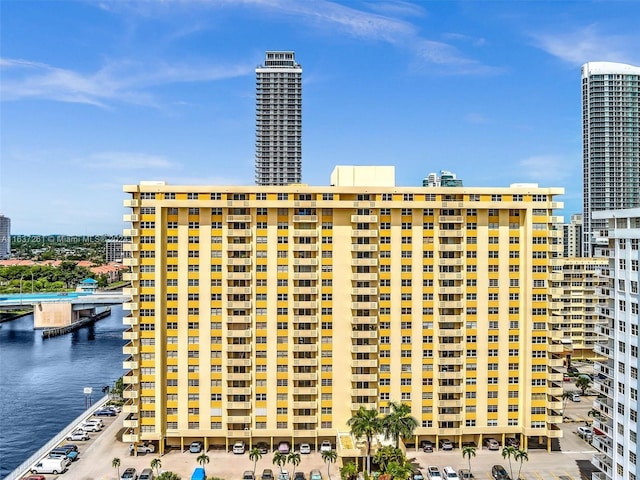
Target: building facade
{"x":114,"y":251}
{"x":611,"y":143}
{"x":5,"y":237}
{"x":273,"y":313}
{"x":443,"y":179}
{"x":573,"y":237}
{"x":279,"y":120}
{"x":616,"y":381}
{"x":575,"y":295}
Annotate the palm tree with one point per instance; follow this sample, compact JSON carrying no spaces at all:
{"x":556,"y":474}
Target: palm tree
{"x":583,"y":382}
{"x":168,"y":476}
{"x":348,"y":471}
{"x":203,"y":459}
{"x":566,"y":396}
{"x":156,"y":464}
{"x":521,"y":456}
{"x":468,"y":451}
{"x":294,"y":459}
{"x":366,"y":423}
{"x":329,"y":457}
{"x":508,"y":452}
{"x":386,"y":455}
{"x":399,"y":470}
{"x":279,"y":459}
{"x":115,"y":463}
{"x":399,"y":422}
{"x":254,"y":455}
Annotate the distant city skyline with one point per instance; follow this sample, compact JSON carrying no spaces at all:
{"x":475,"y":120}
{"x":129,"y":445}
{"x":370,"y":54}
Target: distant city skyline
{"x":113,"y":93}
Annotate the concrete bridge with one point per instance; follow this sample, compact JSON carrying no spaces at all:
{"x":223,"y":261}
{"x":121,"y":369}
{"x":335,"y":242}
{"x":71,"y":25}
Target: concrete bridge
{"x":60,"y":309}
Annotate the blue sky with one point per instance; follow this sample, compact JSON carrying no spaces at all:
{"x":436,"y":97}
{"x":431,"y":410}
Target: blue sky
{"x":97,"y":94}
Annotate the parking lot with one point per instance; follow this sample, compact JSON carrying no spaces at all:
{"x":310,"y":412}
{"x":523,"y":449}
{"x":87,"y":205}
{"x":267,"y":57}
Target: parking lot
{"x":572,"y":462}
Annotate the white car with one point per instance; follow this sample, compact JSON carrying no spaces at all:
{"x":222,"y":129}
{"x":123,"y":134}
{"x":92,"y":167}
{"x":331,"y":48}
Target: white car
{"x":325,"y":446}
{"x":90,"y":427}
{"x":305,"y":448}
{"x":433,"y":473}
{"x":283,"y":475}
{"x":585,"y":432}
{"x":238,"y":448}
{"x":78,"y":436}
{"x":146,"y":448}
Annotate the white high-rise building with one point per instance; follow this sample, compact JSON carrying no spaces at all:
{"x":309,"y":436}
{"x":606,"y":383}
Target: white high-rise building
{"x":616,"y":377}
{"x":279,"y":120}
{"x":611,"y":142}
{"x":573,"y":237}
{"x":5,"y":236}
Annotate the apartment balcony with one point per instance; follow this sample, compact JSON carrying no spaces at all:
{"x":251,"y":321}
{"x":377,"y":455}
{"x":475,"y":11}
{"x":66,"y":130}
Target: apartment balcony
{"x":305,"y":319}
{"x":305,"y":261}
{"x":130,"y":262}
{"x":367,"y":406}
{"x":556,"y":335}
{"x":602,"y":462}
{"x":239,"y":305}
{"x":364,"y":262}
{"x":450,"y":247}
{"x":238,"y":433}
{"x":130,"y":349}
{"x":306,"y":304}
{"x":364,"y":219}
{"x":239,"y":290}
{"x":130,"y":276}
{"x":130,"y":364}
{"x":604,"y":424}
{"x":238,"y":362}
{"x":451,"y":347}
{"x":450,"y":219}
{"x":370,"y":320}
{"x":131,"y":203}
{"x":555,"y":362}
{"x":450,"y":417}
{"x":364,"y":233}
{"x":306,"y":376}
{"x":305,"y":347}
{"x":364,"y":377}
{"x":450,"y":375}
{"x":129,"y":392}
{"x":130,"y":320}
{"x":239,"y":347}
{"x":130,"y":232}
{"x":305,"y":219}
{"x":451,"y":233}
{"x":130,"y":247}
{"x":555,"y":377}
{"x":239,"y":390}
{"x":239,"y":232}
{"x":355,"y":334}
{"x":130,"y":437}
{"x":306,"y":390}
{"x":131,"y":421}
{"x":604,"y":350}
{"x":305,"y":419}
{"x":130,"y":217}
{"x":302,"y":405}
{"x":130,"y":379}
{"x":242,"y":419}
{"x":450,"y":389}
{"x":128,"y":408}
{"x":130,"y":334}
{"x":604,"y":405}
{"x":551,"y":418}
{"x":245,"y":333}
{"x":131,"y":291}
{"x":368,"y":247}
{"x":305,"y":276}
{"x":450,"y":276}
{"x":238,"y":218}
{"x":238,"y":261}
{"x":305,"y":362}
{"x":364,"y":291}
{"x":364,"y":277}
{"x":305,"y":247}
{"x":364,"y":305}
{"x":450,"y":304}
{"x":238,"y":319}
{"x":368,"y":363}
{"x":450,"y":403}
{"x":555,"y":348}
{"x":305,"y":233}
{"x":450,"y":290}
{"x":364,"y":348}
{"x":554,"y":404}
{"x":238,"y":275}
{"x":364,"y":392}
{"x":239,"y":247}
{"x":310,"y":335}
{"x":305,"y":290}
{"x":238,"y":405}
{"x":451,"y":261}
{"x":452,"y":360}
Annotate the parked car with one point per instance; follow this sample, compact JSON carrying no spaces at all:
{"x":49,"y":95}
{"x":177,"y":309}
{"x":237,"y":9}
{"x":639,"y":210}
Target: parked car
{"x":433,"y":473}
{"x":427,"y":446}
{"x":129,"y":474}
{"x":146,"y":474}
{"x":284,"y":447}
{"x":575,"y":397}
{"x":325,"y":446}
{"x":248,"y":475}
{"x":267,"y":474}
{"x":417,"y":474}
{"x":70,"y":453}
{"x":238,"y":448}
{"x":315,"y":475}
{"x":305,"y":448}
{"x":50,"y":465}
{"x":299,"y":476}
{"x":90,"y":427}
{"x":114,"y":408}
{"x":96,"y":420}
{"x":59,"y":453}
{"x":263,"y":447}
{"x":35,"y":477}
{"x":105,"y":412}
{"x":283,"y":475}
{"x":195,"y":447}
{"x":492,"y":444}
{"x":78,"y":436}
{"x":585,"y":432}
{"x":445,"y":444}
{"x":146,"y":448}
{"x":465,"y":474}
{"x":499,"y":473}
{"x":512,"y":442}
{"x":70,"y":446}
{"x":450,"y":473}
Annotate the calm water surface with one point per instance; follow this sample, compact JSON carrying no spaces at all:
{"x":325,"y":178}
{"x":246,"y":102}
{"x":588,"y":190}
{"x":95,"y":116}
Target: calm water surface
{"x":42,"y":381}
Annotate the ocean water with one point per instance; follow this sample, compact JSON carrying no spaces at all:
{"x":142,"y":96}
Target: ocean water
{"x":42,"y":381}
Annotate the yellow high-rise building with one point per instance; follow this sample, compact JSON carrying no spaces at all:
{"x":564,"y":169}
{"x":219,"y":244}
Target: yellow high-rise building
{"x":269,"y":314}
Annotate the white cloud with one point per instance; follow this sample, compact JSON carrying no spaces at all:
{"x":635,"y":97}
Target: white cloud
{"x":589,"y":44}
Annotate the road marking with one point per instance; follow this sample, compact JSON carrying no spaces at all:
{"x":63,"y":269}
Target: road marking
{"x":578,"y":451}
